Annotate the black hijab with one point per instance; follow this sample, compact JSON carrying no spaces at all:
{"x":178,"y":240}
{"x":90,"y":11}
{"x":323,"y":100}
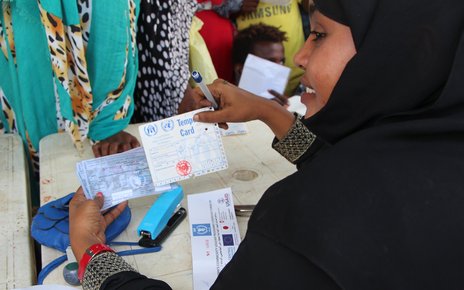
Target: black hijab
{"x":405,"y":67}
{"x":383,"y":206}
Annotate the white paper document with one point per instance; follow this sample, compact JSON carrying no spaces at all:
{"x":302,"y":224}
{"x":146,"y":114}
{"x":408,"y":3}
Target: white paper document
{"x":260,"y":75}
{"x":215,"y":236}
{"x":178,"y":148}
{"x":119,"y":177}
{"x":235,"y":129}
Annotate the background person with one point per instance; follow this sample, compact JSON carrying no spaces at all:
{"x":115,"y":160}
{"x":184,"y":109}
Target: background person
{"x":261,"y":40}
{"x":62,"y":70}
{"x":284,"y":14}
{"x":218,"y":34}
{"x":163,"y":45}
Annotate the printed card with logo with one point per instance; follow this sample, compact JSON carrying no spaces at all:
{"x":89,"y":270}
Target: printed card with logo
{"x":178,"y":148}
{"x":215,"y":235}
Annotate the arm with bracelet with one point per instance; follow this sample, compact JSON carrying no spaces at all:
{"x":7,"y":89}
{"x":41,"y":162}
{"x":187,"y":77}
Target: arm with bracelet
{"x":97,"y":261}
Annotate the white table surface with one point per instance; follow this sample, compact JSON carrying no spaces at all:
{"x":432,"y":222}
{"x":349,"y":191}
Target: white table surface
{"x":17,"y":262}
{"x":250,"y":153}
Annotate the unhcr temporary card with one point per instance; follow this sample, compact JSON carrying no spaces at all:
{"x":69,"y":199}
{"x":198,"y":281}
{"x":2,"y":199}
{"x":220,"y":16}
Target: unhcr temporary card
{"x":178,"y":148}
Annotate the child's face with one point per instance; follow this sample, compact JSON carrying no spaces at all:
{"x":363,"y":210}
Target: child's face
{"x":272,"y":51}
{"x":323,"y":57}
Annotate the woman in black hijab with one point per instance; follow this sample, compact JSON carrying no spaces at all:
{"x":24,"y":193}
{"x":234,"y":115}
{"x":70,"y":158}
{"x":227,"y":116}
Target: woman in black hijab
{"x":377,"y":202}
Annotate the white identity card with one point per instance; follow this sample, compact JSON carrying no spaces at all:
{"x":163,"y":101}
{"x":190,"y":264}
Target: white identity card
{"x":215,"y":236}
{"x":178,"y":148}
{"x":119,"y":177}
{"x":260,"y":75}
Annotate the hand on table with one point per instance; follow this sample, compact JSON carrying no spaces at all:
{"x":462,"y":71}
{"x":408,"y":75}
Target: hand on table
{"x":87,"y":224}
{"x":117,"y":143}
{"x":237,"y":105}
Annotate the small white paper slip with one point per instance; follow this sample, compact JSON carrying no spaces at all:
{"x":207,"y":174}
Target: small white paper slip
{"x":178,"y":148}
{"x":215,"y":236}
{"x":119,"y":177}
{"x":261,"y":75}
{"x":235,"y":129}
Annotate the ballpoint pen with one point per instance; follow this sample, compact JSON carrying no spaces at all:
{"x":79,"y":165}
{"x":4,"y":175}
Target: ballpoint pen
{"x":244,"y":210}
{"x":199,"y":80}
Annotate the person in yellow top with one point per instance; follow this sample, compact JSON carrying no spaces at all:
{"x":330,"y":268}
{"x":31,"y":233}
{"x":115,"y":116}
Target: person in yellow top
{"x":283,"y":14}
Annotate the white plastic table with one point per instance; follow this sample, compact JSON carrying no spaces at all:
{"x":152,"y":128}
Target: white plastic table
{"x":253,"y":167}
{"x":17,"y":262}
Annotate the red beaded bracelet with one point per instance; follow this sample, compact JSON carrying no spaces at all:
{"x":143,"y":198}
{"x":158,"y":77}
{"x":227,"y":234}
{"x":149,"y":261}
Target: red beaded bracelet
{"x":91,"y":252}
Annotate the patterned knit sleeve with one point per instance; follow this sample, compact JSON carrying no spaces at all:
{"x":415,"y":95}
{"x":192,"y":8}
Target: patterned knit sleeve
{"x":101,"y":267}
{"x":297,"y":141}
{"x":108,"y":271}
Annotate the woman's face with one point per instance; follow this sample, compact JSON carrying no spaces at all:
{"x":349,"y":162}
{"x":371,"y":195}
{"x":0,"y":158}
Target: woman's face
{"x":323,"y":57}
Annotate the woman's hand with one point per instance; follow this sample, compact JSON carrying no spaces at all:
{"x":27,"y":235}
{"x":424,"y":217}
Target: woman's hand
{"x":237,"y":105}
{"x":87,"y":224}
{"x":117,"y":143}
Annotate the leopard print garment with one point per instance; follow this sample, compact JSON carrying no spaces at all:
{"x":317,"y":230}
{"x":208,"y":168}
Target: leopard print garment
{"x":70,"y":68}
{"x":67,"y":46}
{"x":8,"y":32}
{"x":163,"y":43}
{"x":7,"y":44}
{"x":7,"y":41}
{"x":114,"y":95}
{"x":8,"y":113}
{"x":3,"y":48}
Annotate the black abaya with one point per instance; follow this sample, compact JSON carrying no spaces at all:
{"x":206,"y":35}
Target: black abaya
{"x":381,"y":207}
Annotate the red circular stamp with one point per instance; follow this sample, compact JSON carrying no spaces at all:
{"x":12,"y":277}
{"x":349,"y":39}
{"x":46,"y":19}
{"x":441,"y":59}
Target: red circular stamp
{"x":183,"y":167}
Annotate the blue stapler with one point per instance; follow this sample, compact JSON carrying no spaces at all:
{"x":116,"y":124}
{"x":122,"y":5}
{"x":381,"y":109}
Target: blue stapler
{"x":160,"y":216}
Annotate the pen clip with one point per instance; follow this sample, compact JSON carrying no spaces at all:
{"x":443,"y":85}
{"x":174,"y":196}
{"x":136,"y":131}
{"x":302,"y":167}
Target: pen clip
{"x":244,"y":210}
{"x":196,"y":76}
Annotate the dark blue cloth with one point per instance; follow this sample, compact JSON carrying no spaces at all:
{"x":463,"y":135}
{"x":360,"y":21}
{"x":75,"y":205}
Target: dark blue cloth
{"x":50,"y":227}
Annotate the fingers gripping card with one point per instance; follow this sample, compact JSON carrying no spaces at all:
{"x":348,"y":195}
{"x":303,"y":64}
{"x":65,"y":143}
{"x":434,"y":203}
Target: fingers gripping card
{"x":178,"y":148}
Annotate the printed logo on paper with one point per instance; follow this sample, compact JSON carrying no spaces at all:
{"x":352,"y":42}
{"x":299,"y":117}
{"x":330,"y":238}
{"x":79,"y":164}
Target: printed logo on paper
{"x":150,"y":130}
{"x":201,"y":230}
{"x":167,"y":125}
{"x":228,"y":240}
{"x":225,"y":200}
